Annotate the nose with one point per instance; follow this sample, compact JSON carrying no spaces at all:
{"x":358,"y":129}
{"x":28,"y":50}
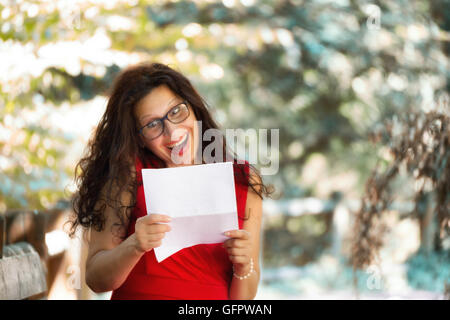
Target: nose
{"x":169,"y":129}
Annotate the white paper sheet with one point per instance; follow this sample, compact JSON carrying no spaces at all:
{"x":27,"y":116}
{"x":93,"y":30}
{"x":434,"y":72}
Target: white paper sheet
{"x":200,"y":199}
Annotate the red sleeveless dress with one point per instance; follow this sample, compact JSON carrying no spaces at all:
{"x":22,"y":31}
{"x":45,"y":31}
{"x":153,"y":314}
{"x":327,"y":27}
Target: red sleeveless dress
{"x":200,"y":272}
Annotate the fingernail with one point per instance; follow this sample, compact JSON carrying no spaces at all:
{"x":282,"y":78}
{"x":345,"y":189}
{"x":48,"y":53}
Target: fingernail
{"x":227,"y":233}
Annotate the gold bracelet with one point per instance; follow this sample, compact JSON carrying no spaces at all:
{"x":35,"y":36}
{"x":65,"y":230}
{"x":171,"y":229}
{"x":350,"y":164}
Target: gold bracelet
{"x":248,"y":274}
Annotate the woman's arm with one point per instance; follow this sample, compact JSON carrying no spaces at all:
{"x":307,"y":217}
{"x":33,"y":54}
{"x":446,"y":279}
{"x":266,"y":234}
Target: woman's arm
{"x":110,"y":259}
{"x":246,"y":289}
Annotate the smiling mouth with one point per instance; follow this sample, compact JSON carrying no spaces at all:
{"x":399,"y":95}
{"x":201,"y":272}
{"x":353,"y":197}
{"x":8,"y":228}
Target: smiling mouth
{"x":179,"y":147}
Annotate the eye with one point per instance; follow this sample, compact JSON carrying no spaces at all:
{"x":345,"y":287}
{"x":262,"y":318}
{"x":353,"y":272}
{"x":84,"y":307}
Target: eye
{"x":175,"y":110}
{"x":152,"y":124}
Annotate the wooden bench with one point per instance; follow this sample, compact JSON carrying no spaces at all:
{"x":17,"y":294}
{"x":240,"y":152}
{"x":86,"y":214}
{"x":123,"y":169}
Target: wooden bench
{"x":27,"y":271}
{"x":22,"y":273}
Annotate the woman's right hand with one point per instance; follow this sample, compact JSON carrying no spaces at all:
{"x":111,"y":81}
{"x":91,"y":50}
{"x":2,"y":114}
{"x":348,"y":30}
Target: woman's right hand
{"x":150,"y":230}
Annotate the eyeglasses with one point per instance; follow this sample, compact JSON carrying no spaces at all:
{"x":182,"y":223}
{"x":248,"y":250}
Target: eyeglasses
{"x":155,"y":128}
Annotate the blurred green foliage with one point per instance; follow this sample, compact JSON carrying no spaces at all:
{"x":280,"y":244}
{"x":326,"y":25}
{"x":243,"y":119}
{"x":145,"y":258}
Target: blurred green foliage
{"x":325,"y":73}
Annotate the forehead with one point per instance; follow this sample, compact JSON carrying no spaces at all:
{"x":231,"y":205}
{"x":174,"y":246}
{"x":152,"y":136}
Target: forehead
{"x":155,"y":103}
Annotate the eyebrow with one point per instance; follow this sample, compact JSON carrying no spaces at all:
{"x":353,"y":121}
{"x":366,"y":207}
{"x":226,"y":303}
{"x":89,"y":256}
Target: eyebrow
{"x":169,"y":104}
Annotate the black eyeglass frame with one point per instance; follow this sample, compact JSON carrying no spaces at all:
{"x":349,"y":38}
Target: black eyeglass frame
{"x":166,"y":117}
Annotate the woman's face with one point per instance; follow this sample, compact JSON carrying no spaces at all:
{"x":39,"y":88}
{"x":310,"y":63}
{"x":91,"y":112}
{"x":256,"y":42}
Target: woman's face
{"x":177,"y":143}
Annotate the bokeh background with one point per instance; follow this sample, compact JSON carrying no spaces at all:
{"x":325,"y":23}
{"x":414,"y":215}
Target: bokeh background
{"x":339,"y":79}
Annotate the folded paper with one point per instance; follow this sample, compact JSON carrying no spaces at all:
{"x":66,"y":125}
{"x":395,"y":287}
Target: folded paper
{"x":200,"y":199}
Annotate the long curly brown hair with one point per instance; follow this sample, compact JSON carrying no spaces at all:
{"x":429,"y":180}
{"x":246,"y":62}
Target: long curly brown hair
{"x":106,"y":170}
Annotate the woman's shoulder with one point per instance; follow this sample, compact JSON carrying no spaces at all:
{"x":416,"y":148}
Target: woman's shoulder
{"x":241,"y":170}
{"x":241,"y":164}
{"x":144,"y":162}
{"x":247,"y":174}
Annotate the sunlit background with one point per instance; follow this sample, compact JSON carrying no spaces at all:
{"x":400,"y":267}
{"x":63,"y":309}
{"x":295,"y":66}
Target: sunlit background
{"x":326,"y":73}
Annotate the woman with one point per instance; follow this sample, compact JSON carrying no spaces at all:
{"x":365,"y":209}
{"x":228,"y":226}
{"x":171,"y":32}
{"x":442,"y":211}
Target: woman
{"x":151,"y":121}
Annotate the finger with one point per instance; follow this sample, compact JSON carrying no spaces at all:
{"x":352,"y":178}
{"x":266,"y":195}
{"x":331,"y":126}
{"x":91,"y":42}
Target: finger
{"x":239,"y":259}
{"x":155,"y":244}
{"x":241,"y":233}
{"x":157,"y":228}
{"x":227,"y":243}
{"x":155,"y":218}
{"x":237,"y":243}
{"x":155,"y":236}
{"x":237,"y":251}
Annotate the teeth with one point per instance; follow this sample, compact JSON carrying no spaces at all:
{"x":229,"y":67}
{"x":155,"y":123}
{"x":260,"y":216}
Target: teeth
{"x":178,"y":143}
{"x":182,"y":141}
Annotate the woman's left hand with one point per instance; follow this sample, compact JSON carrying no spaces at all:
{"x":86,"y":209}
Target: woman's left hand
{"x":239,"y":249}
